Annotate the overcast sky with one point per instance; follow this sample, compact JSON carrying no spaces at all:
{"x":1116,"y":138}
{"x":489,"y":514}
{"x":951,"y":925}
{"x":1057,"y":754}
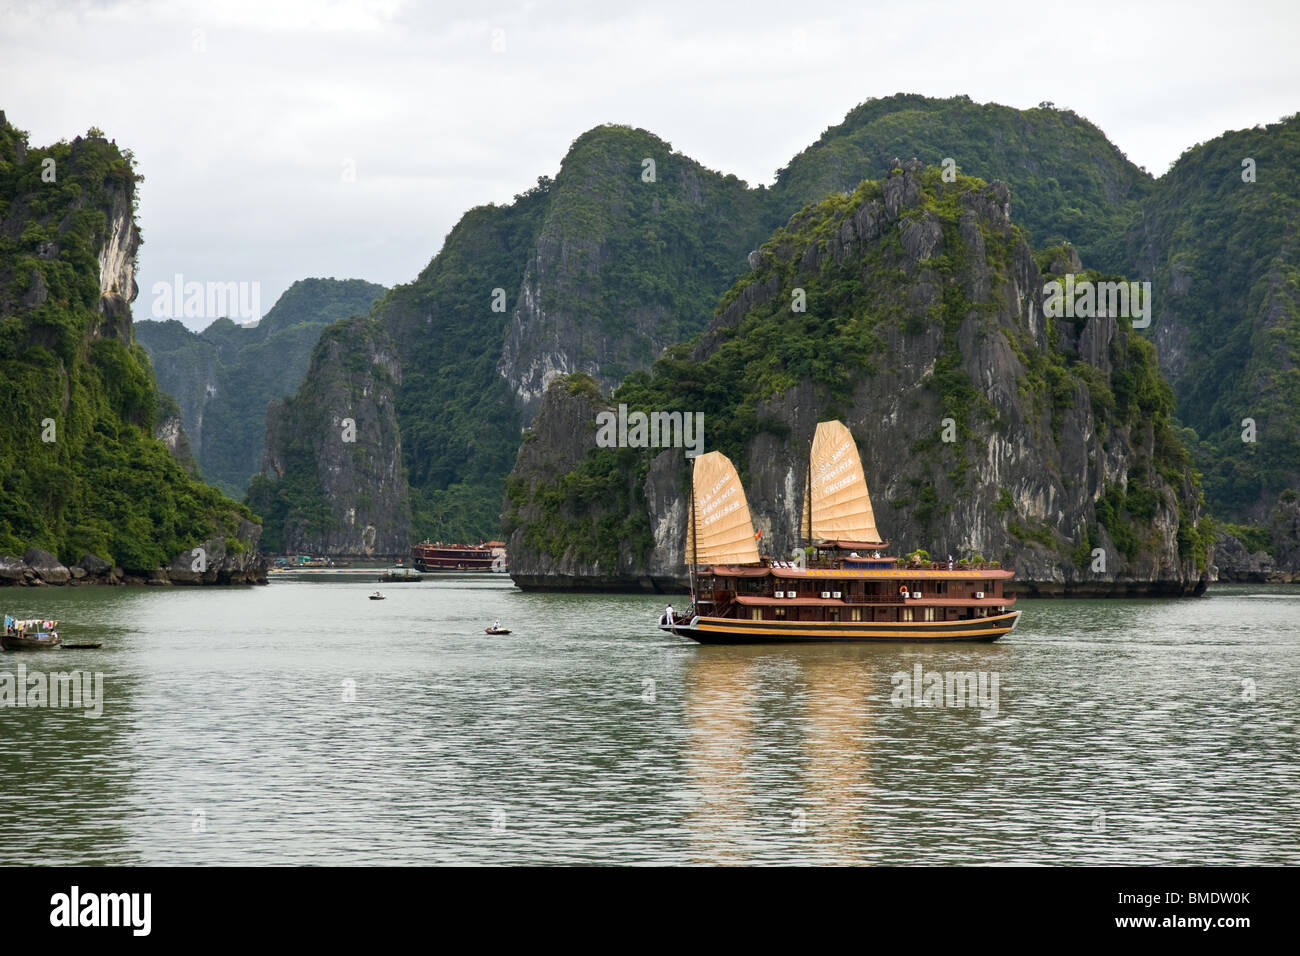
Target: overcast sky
{"x":245,"y":117}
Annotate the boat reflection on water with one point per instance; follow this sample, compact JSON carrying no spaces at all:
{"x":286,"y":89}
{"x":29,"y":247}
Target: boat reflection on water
{"x":721,"y":715}
{"x":761,"y":719}
{"x":836,"y":784}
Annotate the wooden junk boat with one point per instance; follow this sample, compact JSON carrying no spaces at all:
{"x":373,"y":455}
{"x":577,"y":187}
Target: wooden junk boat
{"x":436,"y":556}
{"x":846,"y":590}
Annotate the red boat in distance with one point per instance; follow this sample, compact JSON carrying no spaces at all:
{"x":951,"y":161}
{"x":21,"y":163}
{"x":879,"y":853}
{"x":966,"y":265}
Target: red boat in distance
{"x":436,"y":556}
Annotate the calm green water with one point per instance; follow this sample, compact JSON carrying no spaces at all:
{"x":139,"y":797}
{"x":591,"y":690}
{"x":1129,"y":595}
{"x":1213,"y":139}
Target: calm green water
{"x":1126,"y":732}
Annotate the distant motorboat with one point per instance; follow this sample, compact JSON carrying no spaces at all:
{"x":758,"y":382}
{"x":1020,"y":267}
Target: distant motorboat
{"x":496,"y":630}
{"x":400,"y":574}
{"x":376,"y":596}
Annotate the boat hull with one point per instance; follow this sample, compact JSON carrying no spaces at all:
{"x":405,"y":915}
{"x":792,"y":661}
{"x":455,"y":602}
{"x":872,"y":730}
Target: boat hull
{"x":721,"y":630}
{"x":11,"y":643}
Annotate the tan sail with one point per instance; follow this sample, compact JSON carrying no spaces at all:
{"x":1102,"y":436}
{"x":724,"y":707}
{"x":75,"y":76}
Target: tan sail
{"x":838,"y":507}
{"x":721,"y":530}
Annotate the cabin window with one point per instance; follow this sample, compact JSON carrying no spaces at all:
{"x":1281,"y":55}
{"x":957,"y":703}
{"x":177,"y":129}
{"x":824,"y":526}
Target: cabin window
{"x":855,"y":614}
{"x":907,"y":614}
{"x":833,"y":616}
{"x":929,"y":614}
{"x":757,"y":613}
{"x":780,"y":612}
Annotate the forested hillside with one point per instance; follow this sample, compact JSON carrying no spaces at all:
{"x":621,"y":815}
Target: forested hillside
{"x":80,"y":470}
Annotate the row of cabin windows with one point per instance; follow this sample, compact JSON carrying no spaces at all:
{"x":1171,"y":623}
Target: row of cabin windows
{"x":856,"y":614}
{"x":875,"y":589}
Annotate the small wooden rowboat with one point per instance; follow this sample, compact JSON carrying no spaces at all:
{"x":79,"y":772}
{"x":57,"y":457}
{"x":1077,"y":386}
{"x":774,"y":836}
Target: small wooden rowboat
{"x":496,"y":630}
{"x":87,"y":646}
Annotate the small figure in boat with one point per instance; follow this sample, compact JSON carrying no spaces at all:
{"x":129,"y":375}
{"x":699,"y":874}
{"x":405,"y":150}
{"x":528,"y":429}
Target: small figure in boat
{"x":668,"y":615}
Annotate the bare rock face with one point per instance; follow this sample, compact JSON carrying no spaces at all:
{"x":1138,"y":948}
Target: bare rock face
{"x":1285,"y":525}
{"x":222,"y":561}
{"x":344,"y":423}
{"x":38,"y":293}
{"x":1233,"y":562}
{"x":169,"y":429}
{"x":46,"y":567}
{"x":582,"y":305}
{"x":564,"y":431}
{"x":1280,"y":563}
{"x":117,"y":287}
{"x":95,"y":566}
{"x":189,"y":375}
{"x":12,"y":570}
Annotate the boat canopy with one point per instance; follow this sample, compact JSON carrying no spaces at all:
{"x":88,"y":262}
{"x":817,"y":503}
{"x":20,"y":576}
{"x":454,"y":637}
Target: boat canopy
{"x":838,"y":505}
{"x":720,"y":529}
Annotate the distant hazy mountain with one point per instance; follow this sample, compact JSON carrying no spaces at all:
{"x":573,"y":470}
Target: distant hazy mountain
{"x":224,"y":376}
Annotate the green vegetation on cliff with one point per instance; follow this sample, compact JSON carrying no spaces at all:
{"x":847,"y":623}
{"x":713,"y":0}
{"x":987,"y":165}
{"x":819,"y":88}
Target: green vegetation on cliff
{"x":638,"y":263}
{"x":80,"y":470}
{"x":658,"y":251}
{"x":630,"y":248}
{"x":602,"y":271}
{"x":1224,"y":254}
{"x":1069,"y":183}
{"x":459,"y":426}
{"x":870,"y":308}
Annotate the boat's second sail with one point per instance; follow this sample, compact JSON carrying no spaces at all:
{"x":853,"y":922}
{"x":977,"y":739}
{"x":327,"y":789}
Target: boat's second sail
{"x":838,"y":506}
{"x":720,"y":529}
